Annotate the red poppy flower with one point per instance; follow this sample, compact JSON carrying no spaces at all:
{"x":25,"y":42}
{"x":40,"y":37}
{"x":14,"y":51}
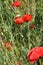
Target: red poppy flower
{"x":18,"y":63}
{"x":27,"y":17}
{"x":18,"y":20}
{"x":32,"y":26}
{"x":16,"y":3}
{"x":35,"y":54}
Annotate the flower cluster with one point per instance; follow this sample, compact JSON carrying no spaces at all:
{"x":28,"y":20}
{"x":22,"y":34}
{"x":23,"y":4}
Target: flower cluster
{"x":24,"y":18}
{"x":7,"y":45}
{"x":35,"y":54}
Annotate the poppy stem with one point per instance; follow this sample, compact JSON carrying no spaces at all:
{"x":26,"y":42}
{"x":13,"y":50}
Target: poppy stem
{"x":37,"y":63}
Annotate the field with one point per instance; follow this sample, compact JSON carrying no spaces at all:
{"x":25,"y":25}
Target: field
{"x":21,"y":29}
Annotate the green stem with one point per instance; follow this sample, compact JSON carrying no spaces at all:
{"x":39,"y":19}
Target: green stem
{"x":37,"y":63}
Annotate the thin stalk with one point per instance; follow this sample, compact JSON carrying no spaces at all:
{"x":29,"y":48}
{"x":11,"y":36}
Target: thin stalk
{"x":37,"y":63}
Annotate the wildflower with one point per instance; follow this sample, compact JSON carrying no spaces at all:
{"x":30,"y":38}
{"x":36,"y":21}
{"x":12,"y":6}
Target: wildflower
{"x":16,"y":3}
{"x":7,"y":45}
{"x":35,"y":54}
{"x":32,"y":26}
{"x":27,"y":17}
{"x":18,"y":20}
